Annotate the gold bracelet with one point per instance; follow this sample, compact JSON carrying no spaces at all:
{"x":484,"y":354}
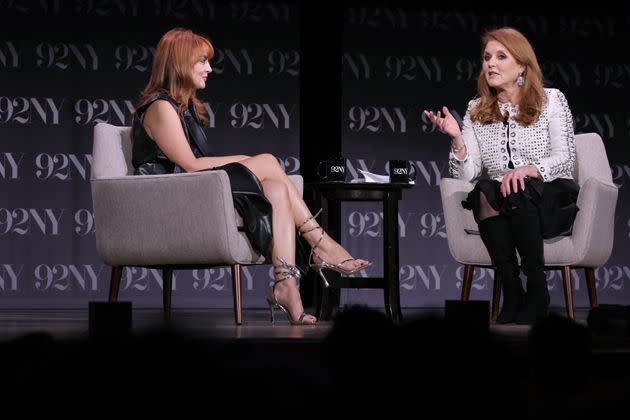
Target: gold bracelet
{"x":458,"y":149}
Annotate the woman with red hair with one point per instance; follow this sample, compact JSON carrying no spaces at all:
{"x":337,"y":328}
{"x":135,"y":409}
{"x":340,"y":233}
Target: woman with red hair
{"x":521,"y":134}
{"x":168,"y":137}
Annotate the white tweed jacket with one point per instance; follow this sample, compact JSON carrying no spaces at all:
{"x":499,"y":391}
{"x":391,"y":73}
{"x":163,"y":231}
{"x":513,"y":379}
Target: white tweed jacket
{"x":548,"y":143}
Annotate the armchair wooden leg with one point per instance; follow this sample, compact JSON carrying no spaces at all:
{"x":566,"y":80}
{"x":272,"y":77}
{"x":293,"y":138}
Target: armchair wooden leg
{"x":568,"y":290}
{"x":237,"y":293}
{"x":114,"y":283}
{"x":167,"y":290}
{"x":590,"y":286}
{"x":467,"y":281}
{"x":496,"y":295}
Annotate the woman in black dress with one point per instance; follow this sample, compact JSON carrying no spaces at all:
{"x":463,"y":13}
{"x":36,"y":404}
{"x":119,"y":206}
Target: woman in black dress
{"x":168,"y":137}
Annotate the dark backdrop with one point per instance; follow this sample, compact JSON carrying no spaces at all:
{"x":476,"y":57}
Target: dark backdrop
{"x":392,"y":60}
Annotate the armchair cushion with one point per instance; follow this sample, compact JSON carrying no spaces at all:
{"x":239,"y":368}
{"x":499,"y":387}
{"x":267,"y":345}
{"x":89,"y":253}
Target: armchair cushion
{"x":168,"y":219}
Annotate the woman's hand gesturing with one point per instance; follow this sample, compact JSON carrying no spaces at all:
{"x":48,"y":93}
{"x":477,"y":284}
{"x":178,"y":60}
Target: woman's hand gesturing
{"x":446,"y":124}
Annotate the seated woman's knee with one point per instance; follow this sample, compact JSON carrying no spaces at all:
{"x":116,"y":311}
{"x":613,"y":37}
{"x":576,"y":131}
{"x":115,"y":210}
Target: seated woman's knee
{"x":276,"y":192}
{"x":270,"y":160}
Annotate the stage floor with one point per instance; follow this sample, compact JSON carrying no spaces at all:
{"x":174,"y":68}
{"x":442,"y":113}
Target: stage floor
{"x":206,"y":323}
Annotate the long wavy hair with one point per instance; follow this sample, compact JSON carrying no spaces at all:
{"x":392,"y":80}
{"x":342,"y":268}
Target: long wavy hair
{"x":532,"y":92}
{"x":172,"y":71}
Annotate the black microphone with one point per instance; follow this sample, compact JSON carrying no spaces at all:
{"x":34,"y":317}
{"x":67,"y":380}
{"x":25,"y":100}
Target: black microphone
{"x":505,"y":119}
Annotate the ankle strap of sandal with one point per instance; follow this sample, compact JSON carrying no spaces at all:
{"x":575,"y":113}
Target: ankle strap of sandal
{"x":308,"y":219}
{"x":285,"y":270}
{"x":302,"y":233}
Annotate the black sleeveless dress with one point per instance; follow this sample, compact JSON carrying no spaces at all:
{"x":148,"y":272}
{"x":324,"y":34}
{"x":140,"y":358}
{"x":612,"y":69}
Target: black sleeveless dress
{"x":247,"y":192}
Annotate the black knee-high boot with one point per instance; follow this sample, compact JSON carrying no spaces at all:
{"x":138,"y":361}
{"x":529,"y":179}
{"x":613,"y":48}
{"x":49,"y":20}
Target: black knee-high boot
{"x":496,"y":235}
{"x":529,"y":243}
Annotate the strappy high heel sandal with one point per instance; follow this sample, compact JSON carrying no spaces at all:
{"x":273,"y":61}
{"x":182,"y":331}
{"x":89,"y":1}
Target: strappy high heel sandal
{"x":284,"y":272}
{"x":323,"y":263}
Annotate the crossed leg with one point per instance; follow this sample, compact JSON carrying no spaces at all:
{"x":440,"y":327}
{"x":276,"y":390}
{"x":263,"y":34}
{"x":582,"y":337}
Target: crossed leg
{"x":266,"y":167}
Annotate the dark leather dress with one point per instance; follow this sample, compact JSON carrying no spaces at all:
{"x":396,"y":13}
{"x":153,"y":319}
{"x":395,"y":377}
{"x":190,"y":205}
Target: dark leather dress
{"x":247,"y":193}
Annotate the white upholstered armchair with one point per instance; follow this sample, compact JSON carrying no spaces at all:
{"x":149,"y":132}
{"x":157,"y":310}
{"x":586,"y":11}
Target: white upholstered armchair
{"x":173,"y":221}
{"x":589,"y":246}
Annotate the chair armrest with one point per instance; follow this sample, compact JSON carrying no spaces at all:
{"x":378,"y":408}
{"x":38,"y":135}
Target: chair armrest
{"x":465,"y":246}
{"x":595,"y":222}
{"x":456,"y":218}
{"x":173,"y":218}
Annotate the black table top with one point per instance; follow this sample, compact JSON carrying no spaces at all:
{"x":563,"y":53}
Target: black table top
{"x":385,"y":186}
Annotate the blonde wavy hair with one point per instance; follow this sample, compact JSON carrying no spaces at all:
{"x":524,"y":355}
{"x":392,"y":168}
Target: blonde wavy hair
{"x":533,"y":94}
{"x":172,"y":70}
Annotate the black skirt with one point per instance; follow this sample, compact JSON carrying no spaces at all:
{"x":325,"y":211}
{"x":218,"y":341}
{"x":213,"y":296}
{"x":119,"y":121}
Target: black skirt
{"x":555,"y":202}
{"x":252,"y":205}
{"x":257,"y":213}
